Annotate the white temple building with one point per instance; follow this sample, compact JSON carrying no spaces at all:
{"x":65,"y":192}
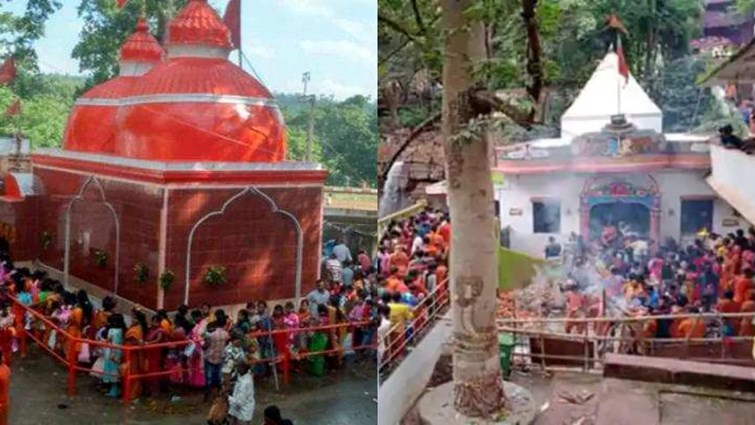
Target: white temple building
{"x":612,"y":164}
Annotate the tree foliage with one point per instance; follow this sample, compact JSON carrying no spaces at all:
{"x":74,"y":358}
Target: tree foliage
{"x":345,"y":136}
{"x":44,"y":112}
{"x":106,"y":27}
{"x":572,"y":39}
{"x":19,"y":32}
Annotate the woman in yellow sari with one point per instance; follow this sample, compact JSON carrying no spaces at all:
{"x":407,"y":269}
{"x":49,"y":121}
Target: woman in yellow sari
{"x":100,"y":318}
{"x":81,"y":317}
{"x":135,"y":337}
{"x":337,"y":335}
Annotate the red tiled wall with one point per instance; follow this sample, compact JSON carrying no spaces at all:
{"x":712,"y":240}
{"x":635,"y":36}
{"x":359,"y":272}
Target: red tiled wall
{"x":257,"y":246}
{"x":21,"y":217}
{"x":138,"y":209}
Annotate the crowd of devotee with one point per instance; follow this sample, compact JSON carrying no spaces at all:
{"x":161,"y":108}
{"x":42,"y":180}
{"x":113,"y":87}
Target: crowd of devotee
{"x":412,"y":263}
{"x":710,"y":274}
{"x":211,"y":351}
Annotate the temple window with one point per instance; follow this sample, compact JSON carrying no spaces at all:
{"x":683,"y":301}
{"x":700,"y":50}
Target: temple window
{"x":546,"y":214}
{"x":697,"y":214}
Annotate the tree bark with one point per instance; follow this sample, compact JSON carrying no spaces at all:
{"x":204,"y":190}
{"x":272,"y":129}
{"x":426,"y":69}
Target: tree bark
{"x":478,"y":386}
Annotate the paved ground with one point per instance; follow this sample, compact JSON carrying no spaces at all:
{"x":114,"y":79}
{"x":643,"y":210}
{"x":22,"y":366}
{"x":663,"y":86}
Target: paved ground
{"x":607,"y":401}
{"x":38,"y":397}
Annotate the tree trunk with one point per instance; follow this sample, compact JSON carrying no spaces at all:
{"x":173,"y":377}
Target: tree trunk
{"x":478,"y":386}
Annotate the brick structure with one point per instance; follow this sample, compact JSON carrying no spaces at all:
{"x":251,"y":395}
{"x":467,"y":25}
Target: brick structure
{"x":206,"y":187}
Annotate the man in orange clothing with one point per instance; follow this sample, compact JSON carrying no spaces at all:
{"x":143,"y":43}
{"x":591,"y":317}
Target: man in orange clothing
{"x":728,"y":305}
{"x":445,"y":230}
{"x":692,"y":327}
{"x":745,"y":326}
{"x":400,"y":261}
{"x":4,"y":390}
{"x":394,"y":282}
{"x":742,"y":285}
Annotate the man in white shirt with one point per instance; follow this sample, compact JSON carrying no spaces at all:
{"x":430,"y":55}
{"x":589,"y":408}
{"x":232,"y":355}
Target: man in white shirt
{"x":241,"y":400}
{"x":317,"y":297}
{"x":383,"y":330}
{"x":342,"y":252}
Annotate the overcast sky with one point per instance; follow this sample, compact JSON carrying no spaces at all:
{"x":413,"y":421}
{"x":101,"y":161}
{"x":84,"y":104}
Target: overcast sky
{"x":336,"y":40}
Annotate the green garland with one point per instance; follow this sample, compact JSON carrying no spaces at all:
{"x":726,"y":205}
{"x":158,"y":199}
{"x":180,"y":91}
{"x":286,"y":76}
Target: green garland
{"x":166,"y":279}
{"x":141,"y":272}
{"x":100,"y":258}
{"x":46,"y":240}
{"x":215,"y":276}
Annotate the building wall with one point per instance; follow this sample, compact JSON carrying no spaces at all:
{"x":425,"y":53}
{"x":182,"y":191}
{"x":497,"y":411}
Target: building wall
{"x":93,"y":227}
{"x":256,"y":245}
{"x":517,"y":193}
{"x":18,"y":222}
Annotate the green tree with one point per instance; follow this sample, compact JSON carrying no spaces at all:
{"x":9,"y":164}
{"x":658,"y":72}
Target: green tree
{"x":345,"y":137}
{"x":19,"y":32}
{"x":106,"y":27}
{"x":44,"y":113}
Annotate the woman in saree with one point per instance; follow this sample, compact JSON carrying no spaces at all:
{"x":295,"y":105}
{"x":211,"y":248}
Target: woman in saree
{"x":111,"y":368}
{"x":195,"y":358}
{"x":154,"y":356}
{"x":336,"y":335}
{"x":135,"y":337}
{"x":164,"y":322}
{"x":81,"y":317}
{"x":24,"y":298}
{"x":100,"y":319}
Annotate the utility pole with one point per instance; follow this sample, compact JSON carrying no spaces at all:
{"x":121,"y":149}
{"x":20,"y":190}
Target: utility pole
{"x":311,"y":130}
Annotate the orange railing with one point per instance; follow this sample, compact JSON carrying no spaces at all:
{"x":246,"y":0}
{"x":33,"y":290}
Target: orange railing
{"x":69,"y":343}
{"x":424,"y":315}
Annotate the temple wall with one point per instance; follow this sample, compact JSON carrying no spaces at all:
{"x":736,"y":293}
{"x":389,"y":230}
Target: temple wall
{"x":18,"y":225}
{"x":518,"y":192}
{"x":256,"y":245}
{"x":93,"y":227}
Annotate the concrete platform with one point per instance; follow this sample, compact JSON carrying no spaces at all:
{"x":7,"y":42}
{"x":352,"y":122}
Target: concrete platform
{"x":436,"y":407}
{"x":680,"y":372}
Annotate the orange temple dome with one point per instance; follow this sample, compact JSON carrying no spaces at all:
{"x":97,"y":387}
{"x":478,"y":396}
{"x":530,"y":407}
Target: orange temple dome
{"x":91,"y":125}
{"x":198,"y":106}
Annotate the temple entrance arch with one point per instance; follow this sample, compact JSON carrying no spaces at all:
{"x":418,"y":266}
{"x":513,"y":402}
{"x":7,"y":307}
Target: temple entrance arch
{"x":100,"y":191}
{"x":251,"y":191}
{"x":634,"y":201}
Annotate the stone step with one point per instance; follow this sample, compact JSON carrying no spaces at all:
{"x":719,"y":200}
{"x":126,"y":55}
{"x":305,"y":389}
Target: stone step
{"x":680,"y":372}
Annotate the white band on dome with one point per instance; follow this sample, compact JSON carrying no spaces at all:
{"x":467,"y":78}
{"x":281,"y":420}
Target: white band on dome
{"x":197,"y":51}
{"x":180,"y":98}
{"x":135,"y":69}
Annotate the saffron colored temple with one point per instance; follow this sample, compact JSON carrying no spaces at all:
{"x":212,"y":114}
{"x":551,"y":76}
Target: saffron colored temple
{"x":173,"y":167}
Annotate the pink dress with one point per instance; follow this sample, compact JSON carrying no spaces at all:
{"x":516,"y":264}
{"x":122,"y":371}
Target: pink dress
{"x":291,"y":321}
{"x":195,"y":357}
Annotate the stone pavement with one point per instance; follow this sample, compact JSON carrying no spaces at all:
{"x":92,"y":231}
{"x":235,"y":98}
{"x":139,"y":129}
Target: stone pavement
{"x":38,"y":397}
{"x":594,"y":400}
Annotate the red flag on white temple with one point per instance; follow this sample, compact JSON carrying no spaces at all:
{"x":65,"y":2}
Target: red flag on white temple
{"x":232,"y":20}
{"x":8,"y":71}
{"x":623,"y":66}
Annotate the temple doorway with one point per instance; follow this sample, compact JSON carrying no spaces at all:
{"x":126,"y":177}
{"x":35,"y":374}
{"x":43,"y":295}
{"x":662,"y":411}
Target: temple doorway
{"x":628,"y":217}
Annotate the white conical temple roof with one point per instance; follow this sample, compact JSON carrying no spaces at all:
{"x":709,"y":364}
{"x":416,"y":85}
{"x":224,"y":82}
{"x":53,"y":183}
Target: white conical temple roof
{"x":608,"y":93}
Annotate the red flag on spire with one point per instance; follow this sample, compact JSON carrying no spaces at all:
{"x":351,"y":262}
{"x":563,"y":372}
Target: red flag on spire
{"x":14,"y":109}
{"x":613,"y":22}
{"x":8,"y":71}
{"x":121,"y":3}
{"x":232,"y":20}
{"x":623,"y":66}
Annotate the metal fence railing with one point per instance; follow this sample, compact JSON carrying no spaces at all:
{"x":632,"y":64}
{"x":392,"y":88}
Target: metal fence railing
{"x":536,"y":343}
{"x":403,"y":336}
{"x":66,"y":347}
